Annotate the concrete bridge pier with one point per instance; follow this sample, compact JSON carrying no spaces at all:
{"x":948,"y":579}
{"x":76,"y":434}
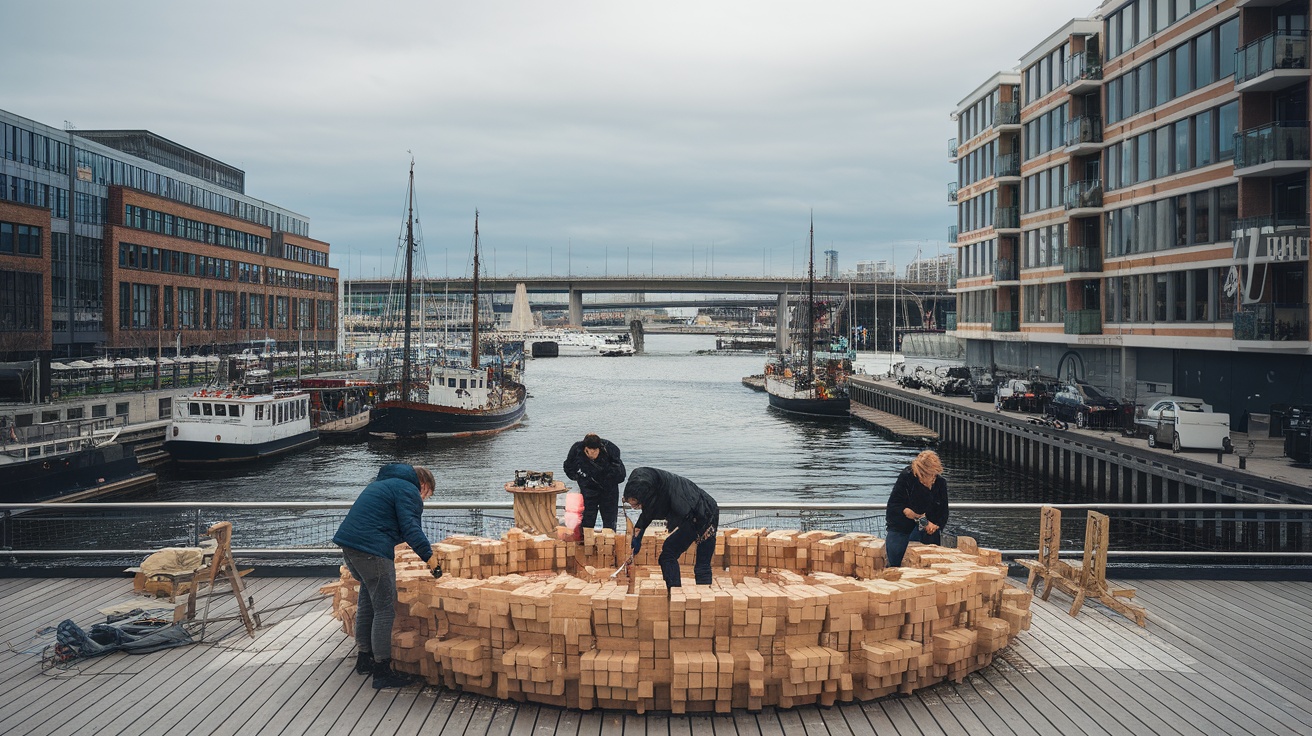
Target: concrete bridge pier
{"x":575,"y":308}
{"x":781,"y":324}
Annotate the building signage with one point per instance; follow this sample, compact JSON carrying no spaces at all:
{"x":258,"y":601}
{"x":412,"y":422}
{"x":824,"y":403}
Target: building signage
{"x":84,"y":173}
{"x":1254,"y":251}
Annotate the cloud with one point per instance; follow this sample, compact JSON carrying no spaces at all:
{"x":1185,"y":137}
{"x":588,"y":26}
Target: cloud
{"x":585,"y":127}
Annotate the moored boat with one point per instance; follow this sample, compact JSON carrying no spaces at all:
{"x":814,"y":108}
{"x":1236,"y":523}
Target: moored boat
{"x":217,"y":426}
{"x":65,"y":461}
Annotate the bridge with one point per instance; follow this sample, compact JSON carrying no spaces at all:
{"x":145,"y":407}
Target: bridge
{"x":886,"y":294}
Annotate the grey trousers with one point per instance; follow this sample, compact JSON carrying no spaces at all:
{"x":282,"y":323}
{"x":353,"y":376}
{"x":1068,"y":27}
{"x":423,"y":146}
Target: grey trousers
{"x":377,"y":605}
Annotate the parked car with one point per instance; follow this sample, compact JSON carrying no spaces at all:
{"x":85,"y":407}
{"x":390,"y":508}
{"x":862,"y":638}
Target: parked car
{"x":950,"y":380}
{"x":1185,"y":422}
{"x":1084,"y":406}
{"x":981,"y":385}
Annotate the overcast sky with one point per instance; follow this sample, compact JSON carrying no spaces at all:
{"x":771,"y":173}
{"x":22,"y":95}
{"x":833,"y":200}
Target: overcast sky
{"x":598,"y":136}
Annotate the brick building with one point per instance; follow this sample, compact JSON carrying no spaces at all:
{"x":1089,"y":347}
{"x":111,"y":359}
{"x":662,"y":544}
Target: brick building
{"x":118,"y":242}
{"x":1132,"y":206}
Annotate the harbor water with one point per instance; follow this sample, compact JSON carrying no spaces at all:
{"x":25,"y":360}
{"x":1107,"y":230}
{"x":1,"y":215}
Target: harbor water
{"x":677,"y":407}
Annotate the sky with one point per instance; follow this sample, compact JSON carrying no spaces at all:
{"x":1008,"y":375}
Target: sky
{"x":594,"y":138}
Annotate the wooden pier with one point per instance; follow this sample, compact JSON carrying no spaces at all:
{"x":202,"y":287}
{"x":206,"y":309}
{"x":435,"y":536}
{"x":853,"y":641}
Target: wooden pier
{"x":755,"y":383}
{"x":1204,"y":665}
{"x":903,"y":430}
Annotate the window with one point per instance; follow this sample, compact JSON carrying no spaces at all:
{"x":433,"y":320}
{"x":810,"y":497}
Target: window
{"x":1226,"y":126}
{"x":165,"y":408}
{"x":99,"y":411}
{"x":1182,"y":145}
{"x":1162,"y":148}
{"x":1162,"y":67}
{"x":1228,"y":41}
{"x":1202,"y":217}
{"x":1183,"y":65}
{"x":49,"y":416}
{"x":1203,"y":140}
{"x":121,"y":409}
{"x":1204,"y":63}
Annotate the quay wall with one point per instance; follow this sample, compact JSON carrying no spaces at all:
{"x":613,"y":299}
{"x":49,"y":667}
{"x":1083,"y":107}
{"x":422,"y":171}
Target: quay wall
{"x":1103,"y":468}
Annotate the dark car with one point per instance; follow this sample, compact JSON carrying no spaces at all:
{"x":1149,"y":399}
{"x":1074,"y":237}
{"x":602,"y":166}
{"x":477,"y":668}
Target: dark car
{"x":981,"y":384}
{"x":1084,"y":406}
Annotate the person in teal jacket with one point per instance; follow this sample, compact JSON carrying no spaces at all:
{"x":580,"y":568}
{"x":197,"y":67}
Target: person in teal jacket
{"x":387,"y":513}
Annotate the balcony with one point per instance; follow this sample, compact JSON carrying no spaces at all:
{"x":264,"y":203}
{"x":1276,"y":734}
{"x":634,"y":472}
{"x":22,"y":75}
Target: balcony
{"x":949,"y":320}
{"x":1273,"y":62}
{"x":1084,"y":72}
{"x":1272,"y":150}
{"x":952,"y":192}
{"x":1004,"y":269}
{"x":1006,"y":321}
{"x":952,"y":233}
{"x":1084,"y":135}
{"x":1006,"y":115}
{"x":1006,"y":218}
{"x":1267,"y":224}
{"x":1084,"y":322}
{"x":1007,"y":165}
{"x":1083,"y":197}
{"x":952,"y":148}
{"x":1272,"y":323}
{"x":1083,"y":260}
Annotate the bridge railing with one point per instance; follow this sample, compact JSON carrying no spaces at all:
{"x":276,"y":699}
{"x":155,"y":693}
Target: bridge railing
{"x":298,"y":533}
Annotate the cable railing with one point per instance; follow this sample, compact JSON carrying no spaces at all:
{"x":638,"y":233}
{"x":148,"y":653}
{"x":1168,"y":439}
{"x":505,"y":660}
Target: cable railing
{"x":290,"y":533}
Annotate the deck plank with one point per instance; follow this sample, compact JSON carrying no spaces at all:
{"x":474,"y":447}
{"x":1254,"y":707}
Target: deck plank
{"x":1195,"y":669}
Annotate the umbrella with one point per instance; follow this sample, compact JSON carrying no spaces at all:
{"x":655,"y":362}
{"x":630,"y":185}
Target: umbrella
{"x":145,"y":362}
{"x":103,"y":363}
{"x":59,"y":367}
{"x":80,"y":365}
{"x":165,"y":360}
{"x":125,"y":363}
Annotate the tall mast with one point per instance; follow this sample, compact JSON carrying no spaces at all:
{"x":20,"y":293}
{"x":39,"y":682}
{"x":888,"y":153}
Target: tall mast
{"x":409,"y":281}
{"x":473,"y":332}
{"x":810,"y":307}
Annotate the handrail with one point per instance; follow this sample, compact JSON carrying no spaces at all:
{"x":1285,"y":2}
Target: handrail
{"x":726,"y":506}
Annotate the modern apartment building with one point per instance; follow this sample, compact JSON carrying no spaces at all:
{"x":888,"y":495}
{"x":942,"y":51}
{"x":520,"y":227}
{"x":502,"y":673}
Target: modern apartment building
{"x":118,"y":242}
{"x":1159,"y":237}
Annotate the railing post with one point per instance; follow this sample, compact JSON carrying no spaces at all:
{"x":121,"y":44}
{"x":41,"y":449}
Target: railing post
{"x":195,"y":530}
{"x":477,"y":521}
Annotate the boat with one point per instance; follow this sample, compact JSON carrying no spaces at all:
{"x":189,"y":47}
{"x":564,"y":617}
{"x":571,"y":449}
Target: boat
{"x":66,"y":461}
{"x":570,"y":343}
{"x":810,"y":384}
{"x":242,"y":424}
{"x":447,"y":400}
{"x":340,"y":408}
{"x":617,"y":346}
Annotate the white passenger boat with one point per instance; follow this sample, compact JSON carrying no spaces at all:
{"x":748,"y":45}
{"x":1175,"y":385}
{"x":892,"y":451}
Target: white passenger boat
{"x":215,"y":426}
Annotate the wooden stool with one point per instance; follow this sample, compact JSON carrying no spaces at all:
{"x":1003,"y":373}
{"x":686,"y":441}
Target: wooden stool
{"x":535,"y":507}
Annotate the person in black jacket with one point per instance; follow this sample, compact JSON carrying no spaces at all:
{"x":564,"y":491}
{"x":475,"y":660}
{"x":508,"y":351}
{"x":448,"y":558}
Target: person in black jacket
{"x":917,"y":507}
{"x":690,"y":514}
{"x":595,"y":464}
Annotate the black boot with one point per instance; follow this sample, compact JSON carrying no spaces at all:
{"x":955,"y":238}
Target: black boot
{"x":364,"y":663}
{"x":385,"y":676}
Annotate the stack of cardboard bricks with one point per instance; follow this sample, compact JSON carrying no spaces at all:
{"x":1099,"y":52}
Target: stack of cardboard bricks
{"x":792,"y":618}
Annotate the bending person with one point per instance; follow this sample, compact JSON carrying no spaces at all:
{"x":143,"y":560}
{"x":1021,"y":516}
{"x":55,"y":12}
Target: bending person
{"x":689,"y":512}
{"x":386,"y":513}
{"x":917,"y":507}
{"x":595,"y":464}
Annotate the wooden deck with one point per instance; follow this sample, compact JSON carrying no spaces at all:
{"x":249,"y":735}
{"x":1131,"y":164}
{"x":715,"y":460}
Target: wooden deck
{"x":903,"y":430}
{"x":1217,"y":657}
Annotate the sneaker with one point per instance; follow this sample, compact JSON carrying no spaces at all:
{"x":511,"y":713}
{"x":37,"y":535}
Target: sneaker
{"x":385,"y":676}
{"x":364,"y":663}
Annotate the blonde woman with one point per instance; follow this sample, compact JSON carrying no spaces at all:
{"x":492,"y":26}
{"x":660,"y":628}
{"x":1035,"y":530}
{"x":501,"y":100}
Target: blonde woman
{"x":917,"y":507}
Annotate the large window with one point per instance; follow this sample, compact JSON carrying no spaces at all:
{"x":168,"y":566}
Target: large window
{"x":225,"y":307}
{"x":20,"y":301}
{"x":188,"y":308}
{"x":23,"y":240}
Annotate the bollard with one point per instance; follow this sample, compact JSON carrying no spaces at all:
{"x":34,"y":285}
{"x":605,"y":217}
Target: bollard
{"x":1220,"y":457}
{"x":1243,"y":462}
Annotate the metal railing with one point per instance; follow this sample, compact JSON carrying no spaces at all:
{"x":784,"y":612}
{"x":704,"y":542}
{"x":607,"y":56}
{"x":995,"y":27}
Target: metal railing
{"x":122,"y":533}
{"x":949,"y":320}
{"x":1006,"y":113}
{"x":1279,"y":50}
{"x":1006,"y":164}
{"x":1266,"y":224}
{"x":1083,"y":65}
{"x":1084,"y":130}
{"x":1083,"y":322}
{"x":952,"y":233}
{"x":1006,"y":218}
{"x":1004,"y":269}
{"x":1273,"y":322}
{"x":1082,"y":260}
{"x":1285,"y":141}
{"x":952,"y":191}
{"x":952,"y":148}
{"x":1083,"y":194}
{"x":1006,"y":321}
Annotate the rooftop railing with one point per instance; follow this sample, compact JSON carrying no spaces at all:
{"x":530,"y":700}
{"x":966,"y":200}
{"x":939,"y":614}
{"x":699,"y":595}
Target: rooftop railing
{"x":1279,"y":50}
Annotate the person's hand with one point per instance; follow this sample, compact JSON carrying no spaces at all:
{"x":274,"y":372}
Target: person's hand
{"x":910,"y":514}
{"x":437,"y":571}
{"x":931,"y":528}
{"x":637,"y":544}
